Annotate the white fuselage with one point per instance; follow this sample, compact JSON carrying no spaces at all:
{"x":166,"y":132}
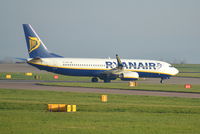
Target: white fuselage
{"x":70,"y":65}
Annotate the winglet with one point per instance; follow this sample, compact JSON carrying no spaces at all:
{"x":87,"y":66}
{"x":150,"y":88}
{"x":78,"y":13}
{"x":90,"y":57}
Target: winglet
{"x":119,"y":62}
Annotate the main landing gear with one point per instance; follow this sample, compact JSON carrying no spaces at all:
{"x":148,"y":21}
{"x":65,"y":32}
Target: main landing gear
{"x":94,"y":79}
{"x":163,"y":78}
{"x":106,"y":80}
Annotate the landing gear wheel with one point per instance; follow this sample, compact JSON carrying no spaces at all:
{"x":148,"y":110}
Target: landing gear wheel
{"x":94,"y":79}
{"x":161,"y":81}
{"x":107,"y":81}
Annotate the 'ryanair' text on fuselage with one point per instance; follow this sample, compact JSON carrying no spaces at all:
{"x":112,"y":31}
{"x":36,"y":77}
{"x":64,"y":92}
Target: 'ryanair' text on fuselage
{"x":135,"y":65}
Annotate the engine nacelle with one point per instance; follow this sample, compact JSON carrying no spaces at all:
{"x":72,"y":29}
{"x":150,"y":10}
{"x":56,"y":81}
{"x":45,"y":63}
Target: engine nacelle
{"x":129,"y":76}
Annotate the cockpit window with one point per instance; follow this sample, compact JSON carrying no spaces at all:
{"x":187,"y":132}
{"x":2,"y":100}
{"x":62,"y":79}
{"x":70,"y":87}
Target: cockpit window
{"x":171,"y":66}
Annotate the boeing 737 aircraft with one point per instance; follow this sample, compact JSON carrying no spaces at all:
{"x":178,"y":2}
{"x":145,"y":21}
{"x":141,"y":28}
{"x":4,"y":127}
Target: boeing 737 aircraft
{"x":104,"y":69}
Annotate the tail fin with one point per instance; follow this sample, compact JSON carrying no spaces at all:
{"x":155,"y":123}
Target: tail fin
{"x":36,"y":47}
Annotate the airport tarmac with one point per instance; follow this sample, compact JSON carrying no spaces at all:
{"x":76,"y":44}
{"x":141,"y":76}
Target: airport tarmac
{"x":31,"y":85}
{"x":23,"y":67}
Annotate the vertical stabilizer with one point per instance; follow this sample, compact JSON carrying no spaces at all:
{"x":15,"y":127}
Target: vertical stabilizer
{"x":35,"y":46}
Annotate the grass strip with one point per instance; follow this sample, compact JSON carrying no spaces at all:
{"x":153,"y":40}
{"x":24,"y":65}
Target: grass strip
{"x":24,"y":111}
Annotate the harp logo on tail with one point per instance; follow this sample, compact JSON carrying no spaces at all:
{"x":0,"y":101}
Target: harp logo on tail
{"x":34,"y":43}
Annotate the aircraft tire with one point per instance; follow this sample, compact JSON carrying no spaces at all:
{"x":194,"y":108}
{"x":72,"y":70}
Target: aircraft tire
{"x":94,"y":79}
{"x":161,"y":81}
{"x":107,"y":81}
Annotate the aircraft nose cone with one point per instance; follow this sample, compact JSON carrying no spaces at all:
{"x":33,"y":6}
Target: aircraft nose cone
{"x":175,"y":71}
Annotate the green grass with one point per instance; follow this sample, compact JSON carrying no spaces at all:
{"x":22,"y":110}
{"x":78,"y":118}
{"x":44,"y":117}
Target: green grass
{"x":188,"y":67}
{"x":23,"y":111}
{"x":141,"y":86}
{"x":194,"y":75}
{"x":185,"y":70}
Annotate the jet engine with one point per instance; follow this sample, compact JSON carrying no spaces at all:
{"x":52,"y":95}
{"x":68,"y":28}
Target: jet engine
{"x":129,"y":76}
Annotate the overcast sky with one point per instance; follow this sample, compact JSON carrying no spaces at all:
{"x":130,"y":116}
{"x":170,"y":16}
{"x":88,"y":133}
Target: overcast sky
{"x":166,"y":30}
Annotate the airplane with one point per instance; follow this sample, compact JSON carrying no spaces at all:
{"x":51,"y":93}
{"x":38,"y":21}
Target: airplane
{"x":104,"y":69}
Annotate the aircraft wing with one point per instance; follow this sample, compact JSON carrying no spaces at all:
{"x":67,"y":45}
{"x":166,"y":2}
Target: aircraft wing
{"x":119,"y":72}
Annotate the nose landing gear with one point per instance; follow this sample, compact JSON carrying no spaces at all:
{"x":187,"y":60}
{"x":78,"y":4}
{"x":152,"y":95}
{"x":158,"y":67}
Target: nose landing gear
{"x":161,"y":81}
{"x":163,"y":78}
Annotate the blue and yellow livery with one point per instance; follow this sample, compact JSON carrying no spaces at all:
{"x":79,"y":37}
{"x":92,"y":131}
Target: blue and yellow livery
{"x":105,"y":69}
{"x":36,"y":47}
